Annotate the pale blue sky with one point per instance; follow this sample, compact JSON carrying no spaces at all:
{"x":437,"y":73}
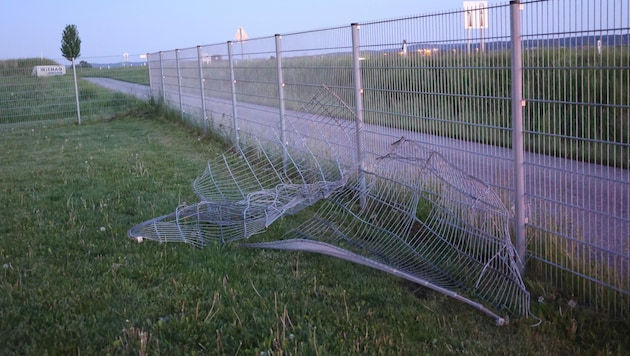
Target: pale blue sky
{"x":30,"y":28}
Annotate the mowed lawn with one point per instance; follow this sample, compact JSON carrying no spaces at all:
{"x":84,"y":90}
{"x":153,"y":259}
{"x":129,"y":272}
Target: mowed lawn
{"x":72,"y":282}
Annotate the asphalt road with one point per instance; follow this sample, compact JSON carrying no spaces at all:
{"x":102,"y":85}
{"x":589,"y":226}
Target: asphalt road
{"x":139,"y":91}
{"x":582,"y":201}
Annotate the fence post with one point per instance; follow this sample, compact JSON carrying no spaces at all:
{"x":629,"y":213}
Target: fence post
{"x":358,"y":100}
{"x":76,"y":91}
{"x":281,"y":98}
{"x":179,"y":84}
{"x":233,"y":88}
{"x":517,"y":132}
{"x":203,"y":94}
{"x":149,"y":71}
{"x":163,"y":95}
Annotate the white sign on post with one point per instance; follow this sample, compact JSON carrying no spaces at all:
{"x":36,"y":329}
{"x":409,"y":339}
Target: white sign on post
{"x":46,"y":71}
{"x":475,"y":14}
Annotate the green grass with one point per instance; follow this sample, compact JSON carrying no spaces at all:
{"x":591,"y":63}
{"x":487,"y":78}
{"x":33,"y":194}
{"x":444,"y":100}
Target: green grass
{"x":72,"y":282}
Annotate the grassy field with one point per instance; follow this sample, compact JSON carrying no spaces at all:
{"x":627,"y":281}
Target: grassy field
{"x":73,"y":283}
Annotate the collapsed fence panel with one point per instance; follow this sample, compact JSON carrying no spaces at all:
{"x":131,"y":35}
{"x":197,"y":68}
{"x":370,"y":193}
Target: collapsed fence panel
{"x":417,"y":216}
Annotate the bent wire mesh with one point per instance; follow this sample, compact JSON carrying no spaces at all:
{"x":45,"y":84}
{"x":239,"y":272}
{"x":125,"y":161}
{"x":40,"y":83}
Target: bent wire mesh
{"x":413,"y":214}
{"x":424,"y":220}
{"x":244,"y":190}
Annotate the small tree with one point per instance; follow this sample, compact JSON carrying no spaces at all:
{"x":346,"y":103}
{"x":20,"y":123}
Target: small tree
{"x":71,"y":50}
{"x":71,"y":43}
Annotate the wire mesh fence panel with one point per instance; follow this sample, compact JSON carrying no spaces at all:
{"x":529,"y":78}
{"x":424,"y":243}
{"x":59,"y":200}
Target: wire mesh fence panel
{"x":217,"y":88}
{"x":35,"y":91}
{"x":189,"y":87}
{"x":576,"y":85}
{"x":315,"y":58}
{"x":170,"y":78}
{"x":436,"y":79}
{"x":26,"y":97}
{"x":156,"y":79}
{"x":256,"y":88}
{"x":125,"y":79}
{"x":424,"y":220}
{"x":130,"y":68}
{"x":247,"y":188}
{"x":313,"y":63}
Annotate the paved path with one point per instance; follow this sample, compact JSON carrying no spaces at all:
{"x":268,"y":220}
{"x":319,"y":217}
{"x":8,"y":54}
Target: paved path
{"x":140,"y":91}
{"x":585,"y":201}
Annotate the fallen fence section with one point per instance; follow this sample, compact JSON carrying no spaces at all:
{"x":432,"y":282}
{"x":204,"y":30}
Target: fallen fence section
{"x":409,"y":212}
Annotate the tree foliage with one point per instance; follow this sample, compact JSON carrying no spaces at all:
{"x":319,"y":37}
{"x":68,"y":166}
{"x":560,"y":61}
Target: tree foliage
{"x":70,"y":43}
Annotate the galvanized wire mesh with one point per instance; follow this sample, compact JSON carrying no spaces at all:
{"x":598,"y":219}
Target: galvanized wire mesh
{"x":423,"y":219}
{"x":29,"y":99}
{"x":576,"y":68}
{"x":245,"y":190}
{"x":411,"y":214}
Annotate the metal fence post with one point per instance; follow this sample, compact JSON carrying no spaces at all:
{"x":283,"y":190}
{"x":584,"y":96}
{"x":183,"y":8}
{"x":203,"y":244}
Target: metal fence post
{"x":179,"y":84}
{"x":281,"y":98}
{"x":149,"y":74}
{"x":233,"y":88}
{"x":203,"y":94}
{"x":76,"y":91}
{"x":358,"y":100}
{"x":163,"y":95}
{"x":517,"y":131}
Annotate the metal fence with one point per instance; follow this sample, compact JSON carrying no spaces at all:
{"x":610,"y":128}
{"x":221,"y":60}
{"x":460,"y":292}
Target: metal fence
{"x":532,"y":97}
{"x":35,"y":91}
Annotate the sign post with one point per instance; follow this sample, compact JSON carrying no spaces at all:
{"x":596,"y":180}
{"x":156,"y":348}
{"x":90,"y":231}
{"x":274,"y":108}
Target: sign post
{"x":241,"y":36}
{"x":476,"y":17}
